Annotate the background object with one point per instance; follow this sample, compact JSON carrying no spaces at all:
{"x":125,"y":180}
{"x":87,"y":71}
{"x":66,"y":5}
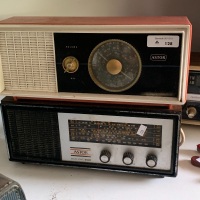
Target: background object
{"x":10,"y":189}
{"x":106,"y":8}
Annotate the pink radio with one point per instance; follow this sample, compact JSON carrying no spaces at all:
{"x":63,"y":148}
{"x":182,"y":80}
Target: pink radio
{"x":96,"y":59}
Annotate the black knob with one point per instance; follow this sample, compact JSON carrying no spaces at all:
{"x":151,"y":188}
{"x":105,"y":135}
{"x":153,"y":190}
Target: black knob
{"x":151,"y":160}
{"x":127,"y":158}
{"x":105,"y":156}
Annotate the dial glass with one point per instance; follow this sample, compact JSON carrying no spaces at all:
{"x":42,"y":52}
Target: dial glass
{"x":115,"y":133}
{"x":114,"y":65}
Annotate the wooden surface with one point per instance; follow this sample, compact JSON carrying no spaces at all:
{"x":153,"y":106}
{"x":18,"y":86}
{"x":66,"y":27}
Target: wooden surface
{"x":159,"y":20}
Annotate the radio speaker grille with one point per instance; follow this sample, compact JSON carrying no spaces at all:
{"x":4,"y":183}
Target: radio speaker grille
{"x":33,"y":134}
{"x":13,"y":194}
{"x":28,"y":61}
{"x":10,"y":189}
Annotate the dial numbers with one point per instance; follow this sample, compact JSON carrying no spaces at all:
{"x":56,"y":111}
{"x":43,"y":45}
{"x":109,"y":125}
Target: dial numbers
{"x":114,"y":65}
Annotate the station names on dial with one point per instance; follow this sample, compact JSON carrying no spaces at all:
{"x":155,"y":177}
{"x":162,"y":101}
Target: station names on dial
{"x":114,"y":133}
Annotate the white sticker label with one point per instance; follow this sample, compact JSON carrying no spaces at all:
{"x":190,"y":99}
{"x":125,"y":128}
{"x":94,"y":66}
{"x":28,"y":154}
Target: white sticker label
{"x":141,"y":131}
{"x":198,"y":160}
{"x":163,"y":41}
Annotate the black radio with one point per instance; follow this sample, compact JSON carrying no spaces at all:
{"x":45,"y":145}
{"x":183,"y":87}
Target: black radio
{"x":98,"y":136}
{"x":194,"y":78}
{"x":191,"y":110}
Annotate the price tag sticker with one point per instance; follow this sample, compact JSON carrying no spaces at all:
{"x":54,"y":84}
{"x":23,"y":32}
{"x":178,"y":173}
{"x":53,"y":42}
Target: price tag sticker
{"x":168,"y":41}
{"x":142,"y":129}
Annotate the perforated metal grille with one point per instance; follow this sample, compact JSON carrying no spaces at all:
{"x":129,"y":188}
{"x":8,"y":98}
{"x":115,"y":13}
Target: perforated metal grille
{"x":28,"y":61}
{"x":13,"y":193}
{"x":34,"y":134}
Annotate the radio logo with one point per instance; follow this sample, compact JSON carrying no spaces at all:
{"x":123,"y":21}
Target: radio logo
{"x":158,"y":57}
{"x":80,"y":152}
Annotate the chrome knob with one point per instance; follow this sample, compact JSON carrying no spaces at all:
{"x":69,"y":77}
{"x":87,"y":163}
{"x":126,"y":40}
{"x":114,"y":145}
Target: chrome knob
{"x":70,"y":64}
{"x":191,"y":112}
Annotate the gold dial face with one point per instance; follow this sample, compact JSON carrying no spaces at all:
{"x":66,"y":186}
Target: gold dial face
{"x":70,"y":64}
{"x":114,"y":65}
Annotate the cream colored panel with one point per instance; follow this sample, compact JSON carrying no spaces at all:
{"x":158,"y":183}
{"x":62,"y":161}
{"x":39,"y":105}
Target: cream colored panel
{"x":1,"y":77}
{"x":28,"y":61}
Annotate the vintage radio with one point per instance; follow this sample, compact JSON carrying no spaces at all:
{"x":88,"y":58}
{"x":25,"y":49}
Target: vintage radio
{"x":99,"y":59}
{"x":191,"y":110}
{"x":191,"y":113}
{"x":194,"y":78}
{"x":10,"y":189}
{"x":97,"y":136}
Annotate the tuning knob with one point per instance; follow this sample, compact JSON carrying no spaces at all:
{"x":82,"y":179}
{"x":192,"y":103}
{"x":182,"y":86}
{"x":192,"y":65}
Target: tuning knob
{"x":127,"y":158}
{"x":191,"y":112}
{"x":105,"y":156}
{"x":70,"y":64}
{"x":114,"y":66}
{"x":151,"y":160}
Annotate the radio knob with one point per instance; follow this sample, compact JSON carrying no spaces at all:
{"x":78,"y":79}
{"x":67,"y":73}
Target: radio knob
{"x":114,"y":66}
{"x":105,"y":156}
{"x":191,"y":112}
{"x":127,"y":158}
{"x":151,"y":160}
{"x":70,"y":64}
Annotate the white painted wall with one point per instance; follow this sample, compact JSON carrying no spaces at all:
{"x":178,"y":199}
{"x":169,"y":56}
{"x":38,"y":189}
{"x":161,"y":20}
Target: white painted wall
{"x":106,"y":8}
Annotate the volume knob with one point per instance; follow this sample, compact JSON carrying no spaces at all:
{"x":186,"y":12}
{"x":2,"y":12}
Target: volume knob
{"x":191,"y":112}
{"x":70,"y":64}
{"x":127,"y":158}
{"x":105,"y":156}
{"x":151,"y":160}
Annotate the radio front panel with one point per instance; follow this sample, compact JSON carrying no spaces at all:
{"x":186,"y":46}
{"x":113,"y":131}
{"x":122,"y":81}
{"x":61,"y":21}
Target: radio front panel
{"x":86,"y":136}
{"x":191,"y":109}
{"x":116,"y":138}
{"x":144,"y":69}
{"x":106,"y":62}
{"x":194,"y":86}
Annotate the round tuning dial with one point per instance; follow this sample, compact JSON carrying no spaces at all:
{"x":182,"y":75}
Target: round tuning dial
{"x":70,"y":64}
{"x":151,"y":160}
{"x":105,"y":156}
{"x":114,"y":65}
{"x":127,"y":158}
{"x":191,"y":112}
